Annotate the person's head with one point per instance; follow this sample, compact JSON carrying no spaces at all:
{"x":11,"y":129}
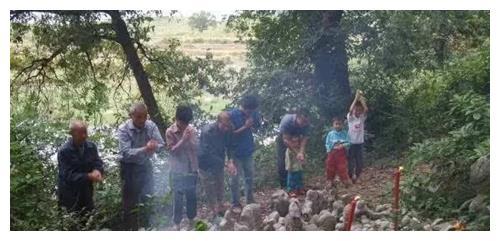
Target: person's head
{"x":78,"y":131}
{"x":249,"y":104}
{"x":295,"y":141}
{"x":302,"y":117}
{"x":224,"y":121}
{"x":358,"y":109}
{"x":138,"y":112}
{"x":183,"y":116}
{"x":338,"y":123}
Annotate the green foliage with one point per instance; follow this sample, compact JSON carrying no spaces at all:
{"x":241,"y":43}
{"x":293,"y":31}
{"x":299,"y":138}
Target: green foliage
{"x":33,"y":181}
{"x":265,"y":166}
{"x":450,"y":155}
{"x":405,"y":63}
{"x":30,"y":204}
{"x":202,"y":20}
{"x":68,"y":64}
{"x":200,"y":226}
{"x":425,"y":75}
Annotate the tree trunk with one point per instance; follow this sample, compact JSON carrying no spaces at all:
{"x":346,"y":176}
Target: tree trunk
{"x":123,"y":38}
{"x":331,"y":70}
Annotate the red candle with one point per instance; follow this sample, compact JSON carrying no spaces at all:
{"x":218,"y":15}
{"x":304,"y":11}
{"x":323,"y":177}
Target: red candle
{"x":348,"y":222}
{"x":396,"y":190}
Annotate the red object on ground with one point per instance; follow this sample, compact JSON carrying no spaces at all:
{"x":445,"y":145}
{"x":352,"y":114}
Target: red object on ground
{"x":396,"y":192}
{"x":348,"y":223}
{"x":336,"y":163}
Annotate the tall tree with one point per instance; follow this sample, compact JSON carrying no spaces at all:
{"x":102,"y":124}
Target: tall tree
{"x":300,"y":54}
{"x":329,"y":57}
{"x":83,"y":56}
{"x":124,"y":39}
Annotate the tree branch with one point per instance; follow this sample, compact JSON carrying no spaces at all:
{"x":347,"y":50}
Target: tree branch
{"x":41,"y":63}
{"x":92,"y":69}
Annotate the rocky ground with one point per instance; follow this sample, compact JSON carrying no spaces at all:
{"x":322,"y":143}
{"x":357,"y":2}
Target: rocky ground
{"x":322,"y":209}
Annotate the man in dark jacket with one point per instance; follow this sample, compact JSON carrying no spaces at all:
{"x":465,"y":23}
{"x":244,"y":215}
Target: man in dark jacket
{"x":214,"y":147}
{"x":79,"y":167}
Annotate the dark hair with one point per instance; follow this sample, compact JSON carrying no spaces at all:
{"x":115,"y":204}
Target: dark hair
{"x":358,"y":104}
{"x":184,"y":113}
{"x":338,"y":118}
{"x":301,"y":111}
{"x":250,"y":102}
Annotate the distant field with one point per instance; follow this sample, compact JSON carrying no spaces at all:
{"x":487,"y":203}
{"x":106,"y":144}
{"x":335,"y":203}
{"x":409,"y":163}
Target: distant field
{"x":223,"y":44}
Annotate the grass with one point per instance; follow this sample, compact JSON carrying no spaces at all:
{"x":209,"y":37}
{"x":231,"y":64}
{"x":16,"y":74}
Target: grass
{"x":218,"y":40}
{"x":177,"y":27}
{"x":213,"y":104}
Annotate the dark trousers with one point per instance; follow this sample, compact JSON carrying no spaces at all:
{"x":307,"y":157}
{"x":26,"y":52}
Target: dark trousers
{"x":77,"y":199}
{"x":280,"y":157}
{"x":184,"y":187}
{"x":295,"y":180}
{"x":355,"y":160}
{"x":137,"y":188}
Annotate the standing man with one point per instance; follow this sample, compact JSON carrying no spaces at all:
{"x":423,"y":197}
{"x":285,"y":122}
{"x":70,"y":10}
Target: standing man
{"x":243,"y":120}
{"x":79,"y":167}
{"x":214,"y":147}
{"x":138,"y":139}
{"x":182,"y":143}
{"x":291,"y":125}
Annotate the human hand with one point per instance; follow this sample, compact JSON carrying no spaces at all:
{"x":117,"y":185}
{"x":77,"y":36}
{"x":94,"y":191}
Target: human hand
{"x":303,"y":161}
{"x":151,"y":146}
{"x":95,"y":176}
{"x":300,"y":156}
{"x":231,"y":168}
{"x":174,"y":147}
{"x":248,"y":123}
{"x":99,"y":175}
{"x":187,"y":134}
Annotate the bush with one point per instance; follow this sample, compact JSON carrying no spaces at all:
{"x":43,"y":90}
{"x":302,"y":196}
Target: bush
{"x":202,"y":20}
{"x":33,"y":203}
{"x":465,"y":122}
{"x":33,"y":180}
{"x":266,"y":171}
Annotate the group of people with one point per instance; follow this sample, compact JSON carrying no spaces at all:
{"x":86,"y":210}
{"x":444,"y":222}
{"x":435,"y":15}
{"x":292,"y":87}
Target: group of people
{"x":226,"y":145}
{"x":344,"y":148}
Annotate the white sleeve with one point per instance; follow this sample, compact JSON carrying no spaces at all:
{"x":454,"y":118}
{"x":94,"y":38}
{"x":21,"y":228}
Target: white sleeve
{"x":349,"y":116}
